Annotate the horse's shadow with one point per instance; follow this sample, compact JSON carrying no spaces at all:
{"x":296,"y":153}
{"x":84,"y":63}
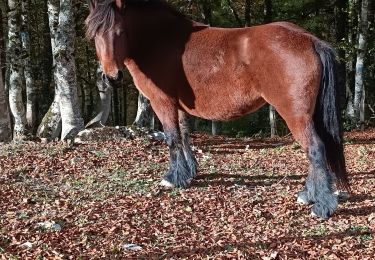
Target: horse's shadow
{"x":250,"y":181}
{"x":263,"y":180}
{"x":359,"y":140}
{"x":221,"y":146}
{"x":357,"y":211}
{"x":271,"y":244}
{"x":357,"y":198}
{"x":364,"y":175}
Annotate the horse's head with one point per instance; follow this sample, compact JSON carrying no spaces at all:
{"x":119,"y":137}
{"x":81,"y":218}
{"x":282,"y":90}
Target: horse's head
{"x":105,"y":24}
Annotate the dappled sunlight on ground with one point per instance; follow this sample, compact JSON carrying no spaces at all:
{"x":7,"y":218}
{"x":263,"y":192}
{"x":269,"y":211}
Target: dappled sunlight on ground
{"x":105,"y":196}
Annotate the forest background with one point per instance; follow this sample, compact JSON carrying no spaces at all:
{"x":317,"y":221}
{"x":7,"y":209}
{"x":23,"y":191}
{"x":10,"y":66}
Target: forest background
{"x":40,"y":39}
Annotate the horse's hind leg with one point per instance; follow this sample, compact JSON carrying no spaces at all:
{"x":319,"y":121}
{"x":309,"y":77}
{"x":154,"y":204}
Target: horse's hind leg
{"x":186,"y":146}
{"x":318,"y":188}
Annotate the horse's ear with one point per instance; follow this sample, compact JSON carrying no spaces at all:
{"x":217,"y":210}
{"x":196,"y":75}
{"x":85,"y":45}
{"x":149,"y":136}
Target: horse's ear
{"x":120,"y":4}
{"x":92,"y":4}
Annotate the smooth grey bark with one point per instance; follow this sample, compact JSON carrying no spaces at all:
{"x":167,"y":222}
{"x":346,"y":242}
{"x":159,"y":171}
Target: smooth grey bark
{"x":65,"y":109}
{"x":359,"y":90}
{"x":350,"y":75}
{"x":50,"y":127}
{"x":31,"y":90}
{"x":53,"y":22}
{"x":273,"y":125}
{"x":65,"y":74}
{"x":104,"y":107}
{"x":5,"y":127}
{"x":2,"y":46}
{"x":86,"y":88}
{"x":15,"y":69}
{"x":145,"y":114}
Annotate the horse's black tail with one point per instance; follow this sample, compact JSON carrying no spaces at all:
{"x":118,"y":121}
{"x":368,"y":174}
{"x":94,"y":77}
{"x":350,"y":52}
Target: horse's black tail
{"x":327,"y":115}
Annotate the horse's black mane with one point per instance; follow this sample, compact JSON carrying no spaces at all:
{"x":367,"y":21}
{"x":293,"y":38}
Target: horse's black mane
{"x":102,"y":13}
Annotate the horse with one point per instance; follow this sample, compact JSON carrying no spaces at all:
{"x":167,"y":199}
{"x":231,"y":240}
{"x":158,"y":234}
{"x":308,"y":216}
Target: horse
{"x":188,"y":68}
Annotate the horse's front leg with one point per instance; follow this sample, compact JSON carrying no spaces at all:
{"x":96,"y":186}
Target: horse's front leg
{"x":179,"y":173}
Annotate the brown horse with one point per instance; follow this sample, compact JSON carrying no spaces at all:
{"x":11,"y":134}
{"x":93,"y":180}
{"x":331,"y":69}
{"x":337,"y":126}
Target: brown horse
{"x":184,"y":66}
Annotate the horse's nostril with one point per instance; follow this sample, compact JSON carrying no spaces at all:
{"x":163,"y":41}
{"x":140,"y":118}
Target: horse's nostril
{"x":104,"y":77}
{"x":113,"y":79}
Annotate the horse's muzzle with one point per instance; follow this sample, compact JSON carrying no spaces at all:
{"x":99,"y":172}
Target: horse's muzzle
{"x":113,"y":79}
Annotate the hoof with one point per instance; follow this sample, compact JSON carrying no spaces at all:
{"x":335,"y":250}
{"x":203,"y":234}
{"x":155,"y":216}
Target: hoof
{"x":167,"y":184}
{"x":315,"y":215}
{"x":301,"y":201}
{"x":324,"y":211}
{"x":177,"y":178}
{"x":302,"y":198}
{"x":193,"y":171}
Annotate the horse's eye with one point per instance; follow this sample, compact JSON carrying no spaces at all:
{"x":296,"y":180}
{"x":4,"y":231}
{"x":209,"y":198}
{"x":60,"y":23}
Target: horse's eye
{"x":120,"y":32}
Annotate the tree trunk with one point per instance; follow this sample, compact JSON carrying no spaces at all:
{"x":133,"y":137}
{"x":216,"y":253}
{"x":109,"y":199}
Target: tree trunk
{"x":2,"y":47}
{"x":341,"y":33}
{"x":341,"y":28}
{"x":235,"y":14}
{"x":272,"y":112}
{"x":31,"y":90}
{"x":216,"y":127}
{"x":350,"y":75}
{"x":145,"y":114}
{"x":273,"y":124}
{"x":50,"y":127}
{"x":104,"y":106}
{"x":87,"y":99}
{"x":5,"y":127}
{"x":359,"y":91}
{"x":64,"y":112}
{"x":268,"y":11}
{"x":65,"y":76}
{"x":47,"y":59}
{"x":247,"y":13}
{"x":207,"y":13}
{"x":15,"y":69}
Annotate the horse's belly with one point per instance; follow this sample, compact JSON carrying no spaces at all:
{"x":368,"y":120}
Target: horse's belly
{"x":223,"y":105}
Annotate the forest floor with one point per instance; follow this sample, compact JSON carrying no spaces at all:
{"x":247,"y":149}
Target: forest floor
{"x":102,"y":200}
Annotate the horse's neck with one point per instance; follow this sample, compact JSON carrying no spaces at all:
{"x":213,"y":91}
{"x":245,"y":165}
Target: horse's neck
{"x":151,"y":29}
